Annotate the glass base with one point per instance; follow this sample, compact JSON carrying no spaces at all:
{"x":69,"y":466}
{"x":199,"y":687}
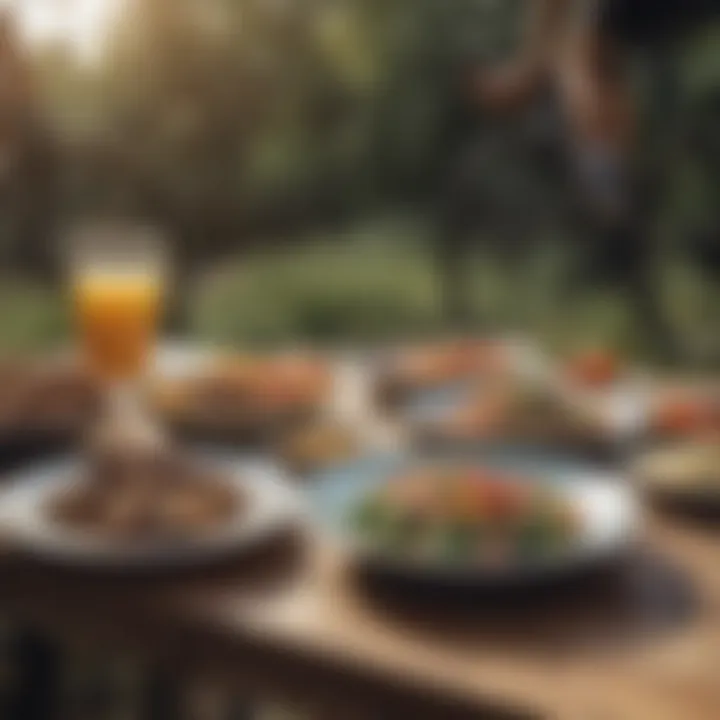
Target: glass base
{"x":127,"y":423}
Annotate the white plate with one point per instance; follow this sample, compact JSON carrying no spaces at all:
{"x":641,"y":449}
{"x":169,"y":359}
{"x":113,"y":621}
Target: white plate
{"x":176,"y":359}
{"x":607,"y":506}
{"x":272,"y":505}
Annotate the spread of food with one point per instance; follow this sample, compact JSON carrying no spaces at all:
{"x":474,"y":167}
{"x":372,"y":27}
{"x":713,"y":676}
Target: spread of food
{"x":144,"y":495}
{"x":466,"y":514}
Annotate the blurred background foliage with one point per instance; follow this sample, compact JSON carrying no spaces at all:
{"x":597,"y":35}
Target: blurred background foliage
{"x":298,"y":153}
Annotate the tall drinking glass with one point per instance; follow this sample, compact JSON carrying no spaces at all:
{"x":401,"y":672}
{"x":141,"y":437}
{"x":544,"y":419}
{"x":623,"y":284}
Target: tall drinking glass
{"x":117,"y":279}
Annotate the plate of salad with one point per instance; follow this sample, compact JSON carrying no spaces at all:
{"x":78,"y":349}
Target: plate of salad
{"x":488,"y":519}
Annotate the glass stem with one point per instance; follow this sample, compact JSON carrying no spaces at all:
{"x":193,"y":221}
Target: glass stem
{"x":128,"y":417}
{"x":124,"y":402}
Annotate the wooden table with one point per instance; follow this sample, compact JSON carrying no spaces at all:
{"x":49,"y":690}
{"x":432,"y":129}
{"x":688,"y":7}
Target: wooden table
{"x":295,"y":622}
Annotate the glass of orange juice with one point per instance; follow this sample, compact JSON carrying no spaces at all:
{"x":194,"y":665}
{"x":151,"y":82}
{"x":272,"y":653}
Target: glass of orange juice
{"x":117,"y":281}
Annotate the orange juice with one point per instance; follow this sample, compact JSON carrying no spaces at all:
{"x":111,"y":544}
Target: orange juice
{"x":117,"y":314}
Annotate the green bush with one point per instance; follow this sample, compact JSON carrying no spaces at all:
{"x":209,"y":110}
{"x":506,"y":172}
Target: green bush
{"x":321,"y":292}
{"x":32,"y":317}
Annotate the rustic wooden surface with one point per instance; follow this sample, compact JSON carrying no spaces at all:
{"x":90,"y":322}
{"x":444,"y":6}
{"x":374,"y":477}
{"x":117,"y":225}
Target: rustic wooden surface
{"x":295,"y":622}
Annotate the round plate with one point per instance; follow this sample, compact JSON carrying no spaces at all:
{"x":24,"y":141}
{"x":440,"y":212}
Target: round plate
{"x":272,"y":505}
{"x":607,"y":505}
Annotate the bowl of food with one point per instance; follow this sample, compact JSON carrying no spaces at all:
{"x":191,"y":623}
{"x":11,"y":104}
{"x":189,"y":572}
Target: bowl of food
{"x":56,"y":397}
{"x":685,"y":476}
{"x":45,"y":406}
{"x":594,"y":369}
{"x":412,"y":370}
{"x":519,"y":413}
{"x":474,"y":518}
{"x":683,"y":414}
{"x":244,"y":397}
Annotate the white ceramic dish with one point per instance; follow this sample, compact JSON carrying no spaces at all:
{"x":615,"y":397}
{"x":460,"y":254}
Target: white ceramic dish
{"x":272,"y":505}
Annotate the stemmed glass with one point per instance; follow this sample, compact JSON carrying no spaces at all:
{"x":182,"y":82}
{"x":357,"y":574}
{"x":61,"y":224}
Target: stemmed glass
{"x":118,"y":277}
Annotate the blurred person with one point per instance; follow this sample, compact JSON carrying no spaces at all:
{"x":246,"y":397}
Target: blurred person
{"x":583,"y":48}
{"x":581,"y":51}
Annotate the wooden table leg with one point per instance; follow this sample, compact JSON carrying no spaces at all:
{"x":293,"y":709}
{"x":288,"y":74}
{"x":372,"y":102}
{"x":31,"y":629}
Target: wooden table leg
{"x":34,"y":693}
